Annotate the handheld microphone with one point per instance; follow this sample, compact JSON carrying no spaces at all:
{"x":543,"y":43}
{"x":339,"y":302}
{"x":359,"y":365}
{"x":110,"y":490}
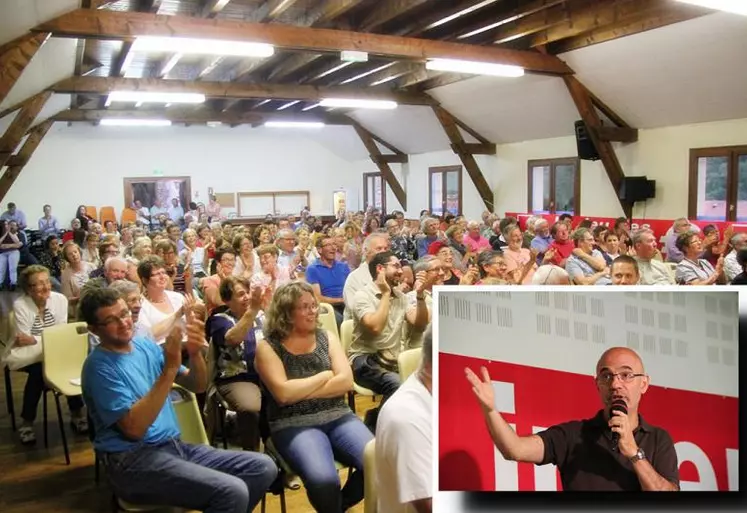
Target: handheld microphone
{"x":621,"y":406}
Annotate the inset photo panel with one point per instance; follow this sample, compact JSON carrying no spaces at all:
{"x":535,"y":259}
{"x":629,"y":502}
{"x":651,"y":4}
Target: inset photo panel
{"x":587,"y":390}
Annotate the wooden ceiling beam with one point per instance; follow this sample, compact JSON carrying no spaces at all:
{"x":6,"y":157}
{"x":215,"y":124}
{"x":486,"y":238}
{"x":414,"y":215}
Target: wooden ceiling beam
{"x":387,"y":10}
{"x":666,"y":15}
{"x":617,"y":134}
{"x":105,"y":85}
{"x":20,"y":126}
{"x":396,"y":71}
{"x":585,"y":106}
{"x":15,"y":56}
{"x":369,"y":141}
{"x":191,"y":116}
{"x":591,"y":16}
{"x":17,"y":162}
{"x":121,"y":25}
{"x":464,"y":151}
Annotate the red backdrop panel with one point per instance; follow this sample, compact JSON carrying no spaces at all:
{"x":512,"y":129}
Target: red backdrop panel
{"x":545,"y":397}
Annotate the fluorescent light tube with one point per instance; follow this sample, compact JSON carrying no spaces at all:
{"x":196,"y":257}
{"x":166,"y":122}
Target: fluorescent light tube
{"x":195,"y":46}
{"x":733,"y":6}
{"x":358,"y":104}
{"x":294,"y":124}
{"x":135,"y":122}
{"x":463,"y":12}
{"x":153,"y":97}
{"x":477,"y":68}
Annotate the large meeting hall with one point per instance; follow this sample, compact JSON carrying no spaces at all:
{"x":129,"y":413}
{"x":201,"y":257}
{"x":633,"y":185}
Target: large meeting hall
{"x":238,"y":314}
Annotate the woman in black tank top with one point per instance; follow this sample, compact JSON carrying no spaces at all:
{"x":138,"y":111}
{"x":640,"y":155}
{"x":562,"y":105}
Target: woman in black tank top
{"x":307,"y":375}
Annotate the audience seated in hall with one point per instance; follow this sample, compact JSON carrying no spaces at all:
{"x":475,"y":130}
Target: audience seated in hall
{"x":327,"y":277}
{"x":75,"y":275}
{"x":693,"y":270}
{"x":126,"y":383}
{"x":378,"y":321}
{"x":586,"y":265}
{"x":361,"y":277}
{"x":48,"y":224}
{"x":38,"y":307}
{"x":162,"y":309}
{"x":10,"y":255}
{"x":307,"y":376}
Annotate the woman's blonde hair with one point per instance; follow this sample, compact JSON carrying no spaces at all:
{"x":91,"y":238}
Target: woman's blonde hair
{"x":69,"y":244}
{"x":279,"y":316}
{"x":268,"y":248}
{"x":138,"y":246}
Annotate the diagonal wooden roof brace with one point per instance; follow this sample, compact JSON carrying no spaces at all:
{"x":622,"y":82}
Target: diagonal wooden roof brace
{"x":382,"y":160}
{"x":467,"y":151}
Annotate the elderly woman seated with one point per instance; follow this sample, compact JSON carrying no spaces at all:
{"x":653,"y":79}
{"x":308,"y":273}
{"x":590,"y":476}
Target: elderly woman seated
{"x":38,"y":308}
{"x":307,"y":375}
{"x":693,"y":270}
{"x":232,"y":332}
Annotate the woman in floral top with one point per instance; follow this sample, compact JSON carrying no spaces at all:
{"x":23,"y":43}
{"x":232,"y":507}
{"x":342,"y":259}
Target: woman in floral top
{"x":52,"y":259}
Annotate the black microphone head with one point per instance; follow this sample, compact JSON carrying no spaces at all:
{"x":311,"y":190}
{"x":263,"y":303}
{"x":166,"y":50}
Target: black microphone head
{"x":619,"y":405}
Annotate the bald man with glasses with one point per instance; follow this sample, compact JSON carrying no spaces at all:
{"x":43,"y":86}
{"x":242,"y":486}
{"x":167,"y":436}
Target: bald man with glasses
{"x":585,"y":452}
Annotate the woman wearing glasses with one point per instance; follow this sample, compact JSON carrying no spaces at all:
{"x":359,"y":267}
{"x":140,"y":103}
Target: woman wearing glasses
{"x":307,"y":375}
{"x":161,"y":308}
{"x":38,"y":308}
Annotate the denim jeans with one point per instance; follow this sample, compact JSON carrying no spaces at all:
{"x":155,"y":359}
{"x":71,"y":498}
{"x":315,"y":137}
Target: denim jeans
{"x":9,"y":265}
{"x":368,"y":373}
{"x":312,"y":451}
{"x":196,"y":477}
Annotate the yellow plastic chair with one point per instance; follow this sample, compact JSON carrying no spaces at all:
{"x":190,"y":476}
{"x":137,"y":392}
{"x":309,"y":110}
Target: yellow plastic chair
{"x":192,"y":432}
{"x":64,"y":349}
{"x":369,"y":478}
{"x":91,"y":212}
{"x":327,"y":318}
{"x":108,"y":214}
{"x":346,"y":338}
{"x":408,"y":362}
{"x":129,"y":215}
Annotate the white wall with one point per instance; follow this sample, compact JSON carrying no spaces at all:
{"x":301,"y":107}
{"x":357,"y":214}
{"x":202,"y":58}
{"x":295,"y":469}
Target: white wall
{"x":85,"y":165}
{"x":662,"y":154}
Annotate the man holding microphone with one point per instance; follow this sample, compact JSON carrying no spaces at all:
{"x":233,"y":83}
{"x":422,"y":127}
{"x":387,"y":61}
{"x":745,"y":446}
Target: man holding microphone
{"x":613,"y":451}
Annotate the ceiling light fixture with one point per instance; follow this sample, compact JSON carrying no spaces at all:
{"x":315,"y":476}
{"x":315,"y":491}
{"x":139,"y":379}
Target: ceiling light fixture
{"x":195,"y":46}
{"x":312,"y":106}
{"x":351,"y":103}
{"x":365,"y":74}
{"x":153,"y":97}
{"x":336,"y":68}
{"x":289,"y":104}
{"x":474,"y":67}
{"x":135,"y":122}
{"x":733,"y":6}
{"x":463,"y":12}
{"x":385,"y":79}
{"x":294,"y":124}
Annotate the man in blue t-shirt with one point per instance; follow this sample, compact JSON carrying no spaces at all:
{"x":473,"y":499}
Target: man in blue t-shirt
{"x":327,"y":276}
{"x":126,"y":382}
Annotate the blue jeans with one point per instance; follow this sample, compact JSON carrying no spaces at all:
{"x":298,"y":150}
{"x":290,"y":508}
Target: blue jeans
{"x":312,"y":451}
{"x":368,"y":373}
{"x":196,"y":477}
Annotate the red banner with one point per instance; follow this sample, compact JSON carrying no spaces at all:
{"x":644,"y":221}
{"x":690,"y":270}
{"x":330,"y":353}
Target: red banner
{"x":704,"y":427}
{"x":659,"y":226}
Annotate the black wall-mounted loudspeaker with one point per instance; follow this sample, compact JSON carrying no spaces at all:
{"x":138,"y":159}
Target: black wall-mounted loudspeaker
{"x":586,"y":148}
{"x":637,"y":188}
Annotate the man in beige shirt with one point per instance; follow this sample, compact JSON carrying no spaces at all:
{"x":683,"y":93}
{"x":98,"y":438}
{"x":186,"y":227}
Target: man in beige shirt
{"x":652,"y":271}
{"x":378,"y":326}
{"x":375,"y":243}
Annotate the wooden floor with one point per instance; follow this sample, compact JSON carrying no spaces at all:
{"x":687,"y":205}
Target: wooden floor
{"x":34,"y":479}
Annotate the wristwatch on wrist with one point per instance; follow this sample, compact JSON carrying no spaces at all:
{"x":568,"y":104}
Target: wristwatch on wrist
{"x":640,"y":455}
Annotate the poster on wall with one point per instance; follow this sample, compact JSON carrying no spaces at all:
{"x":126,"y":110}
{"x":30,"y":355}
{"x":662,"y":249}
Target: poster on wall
{"x":339,"y":201}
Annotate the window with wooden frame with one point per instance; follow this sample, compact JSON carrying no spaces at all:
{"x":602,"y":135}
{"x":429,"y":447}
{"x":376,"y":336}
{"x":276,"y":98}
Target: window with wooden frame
{"x":718,"y":184}
{"x":445,"y":190}
{"x":374,"y":191}
{"x":554,"y":186}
